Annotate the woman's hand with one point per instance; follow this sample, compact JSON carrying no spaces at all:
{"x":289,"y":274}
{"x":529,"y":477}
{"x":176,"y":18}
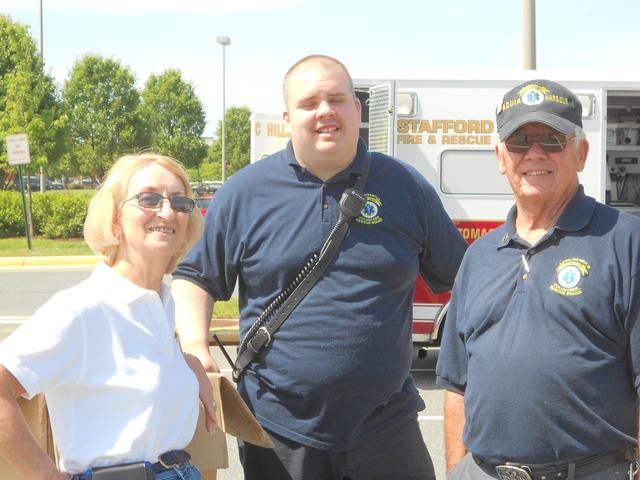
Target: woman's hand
{"x":205,"y":391}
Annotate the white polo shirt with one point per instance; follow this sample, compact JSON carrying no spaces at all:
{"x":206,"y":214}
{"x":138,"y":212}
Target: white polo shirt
{"x":116,"y":384}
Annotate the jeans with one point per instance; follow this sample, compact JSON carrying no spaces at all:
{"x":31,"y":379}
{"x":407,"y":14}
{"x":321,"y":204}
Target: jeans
{"x":180,"y":472}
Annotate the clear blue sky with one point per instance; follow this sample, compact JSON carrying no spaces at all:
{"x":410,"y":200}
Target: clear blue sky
{"x":267,"y":36}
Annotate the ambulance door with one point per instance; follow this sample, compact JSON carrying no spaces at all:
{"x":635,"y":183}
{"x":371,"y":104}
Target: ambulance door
{"x":594,"y":108}
{"x":381,"y":117}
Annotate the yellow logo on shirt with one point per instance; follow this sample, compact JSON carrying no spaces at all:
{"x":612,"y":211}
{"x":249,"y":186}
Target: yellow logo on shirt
{"x":570,"y":273}
{"x":370,"y":213}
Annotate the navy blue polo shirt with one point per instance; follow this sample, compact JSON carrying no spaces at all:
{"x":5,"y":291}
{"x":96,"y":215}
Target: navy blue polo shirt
{"x":548,"y":359}
{"x":337,"y":371}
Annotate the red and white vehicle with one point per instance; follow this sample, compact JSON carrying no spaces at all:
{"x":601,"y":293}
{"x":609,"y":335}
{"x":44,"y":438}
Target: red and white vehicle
{"x":446,"y":129}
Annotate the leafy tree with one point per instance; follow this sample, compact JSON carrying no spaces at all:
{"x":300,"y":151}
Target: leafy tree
{"x":207,"y":170}
{"x":238,"y":139}
{"x":174,"y":117}
{"x":101,"y":103}
{"x":29,"y":101}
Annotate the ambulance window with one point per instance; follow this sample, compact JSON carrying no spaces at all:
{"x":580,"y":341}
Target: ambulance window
{"x":407,"y":104}
{"x":472,"y":172}
{"x":588,"y":105}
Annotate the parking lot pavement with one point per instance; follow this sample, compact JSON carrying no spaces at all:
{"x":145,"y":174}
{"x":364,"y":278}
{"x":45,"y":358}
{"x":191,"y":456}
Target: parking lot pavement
{"x":431,"y":420}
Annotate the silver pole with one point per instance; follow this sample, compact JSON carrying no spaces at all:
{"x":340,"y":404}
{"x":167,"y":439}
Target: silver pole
{"x":41,"y":35}
{"x":42,"y":176}
{"x":224,"y":111}
{"x":529,"y":34}
{"x":224,"y":41}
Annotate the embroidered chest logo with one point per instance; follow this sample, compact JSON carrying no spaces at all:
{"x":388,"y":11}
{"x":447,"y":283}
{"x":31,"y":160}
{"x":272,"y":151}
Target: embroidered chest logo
{"x":370,"y":213}
{"x":570,"y":273}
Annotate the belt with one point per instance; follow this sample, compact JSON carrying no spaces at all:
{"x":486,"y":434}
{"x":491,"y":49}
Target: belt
{"x":562,"y":469}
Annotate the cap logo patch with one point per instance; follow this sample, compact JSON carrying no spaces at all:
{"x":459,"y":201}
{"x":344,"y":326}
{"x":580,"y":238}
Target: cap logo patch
{"x":569,"y":276}
{"x":370,"y":213}
{"x":533,"y":94}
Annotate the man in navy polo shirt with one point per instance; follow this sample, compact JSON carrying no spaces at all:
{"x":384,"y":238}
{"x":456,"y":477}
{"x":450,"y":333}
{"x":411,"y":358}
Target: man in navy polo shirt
{"x":333,"y":387}
{"x":541,"y":350}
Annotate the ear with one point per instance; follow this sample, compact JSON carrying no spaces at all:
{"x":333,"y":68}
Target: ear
{"x":358,"y":107}
{"x":583,"y":152}
{"x":285,"y":116}
{"x":116,"y":229}
{"x":502,"y":169}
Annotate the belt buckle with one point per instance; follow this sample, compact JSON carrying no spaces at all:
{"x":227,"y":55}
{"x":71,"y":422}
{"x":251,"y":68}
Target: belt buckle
{"x":512,"y":472}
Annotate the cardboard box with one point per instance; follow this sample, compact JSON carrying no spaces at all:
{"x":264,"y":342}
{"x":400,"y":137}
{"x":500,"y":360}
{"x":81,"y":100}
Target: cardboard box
{"x":37,"y":416}
{"x":208,"y":450}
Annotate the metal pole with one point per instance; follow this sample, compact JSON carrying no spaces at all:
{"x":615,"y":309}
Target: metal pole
{"x":41,"y":35}
{"x":24,"y":207}
{"x":224,"y":41}
{"x":42,"y":179}
{"x":529,"y":34}
{"x":224,"y":111}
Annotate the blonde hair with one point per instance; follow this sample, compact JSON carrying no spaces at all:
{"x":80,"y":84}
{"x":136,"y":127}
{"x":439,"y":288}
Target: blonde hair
{"x":104,"y":207}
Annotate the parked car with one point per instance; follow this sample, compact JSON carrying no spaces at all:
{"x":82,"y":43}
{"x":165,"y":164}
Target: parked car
{"x":55,"y":185}
{"x":205,"y":188}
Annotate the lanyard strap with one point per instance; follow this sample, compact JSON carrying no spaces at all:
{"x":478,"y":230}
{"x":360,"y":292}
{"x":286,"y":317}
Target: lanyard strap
{"x":261,"y":332}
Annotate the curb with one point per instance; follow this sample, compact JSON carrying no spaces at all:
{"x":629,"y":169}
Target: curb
{"x":48,"y":261}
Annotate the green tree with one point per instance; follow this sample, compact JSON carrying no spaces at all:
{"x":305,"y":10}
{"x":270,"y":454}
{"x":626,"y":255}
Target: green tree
{"x":101,"y":103}
{"x":29,"y":101}
{"x":238,"y":139}
{"x":174,"y":117}
{"x":207,"y":170}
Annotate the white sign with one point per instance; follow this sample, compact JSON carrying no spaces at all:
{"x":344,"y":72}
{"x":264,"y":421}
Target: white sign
{"x":269,"y":133}
{"x":18,"y":149}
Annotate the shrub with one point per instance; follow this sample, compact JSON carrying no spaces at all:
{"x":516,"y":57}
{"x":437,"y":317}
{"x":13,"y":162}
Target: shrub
{"x":11,"y":217}
{"x":55,"y":214}
{"x":60,"y":215}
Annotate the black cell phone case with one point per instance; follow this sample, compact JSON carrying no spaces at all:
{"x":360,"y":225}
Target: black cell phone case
{"x":130,"y":471}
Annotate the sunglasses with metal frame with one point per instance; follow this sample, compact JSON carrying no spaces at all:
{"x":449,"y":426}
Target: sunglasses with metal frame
{"x":179,"y":203}
{"x":549,"y":142}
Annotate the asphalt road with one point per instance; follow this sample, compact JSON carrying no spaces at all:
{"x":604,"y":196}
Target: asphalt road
{"x":22,"y":291}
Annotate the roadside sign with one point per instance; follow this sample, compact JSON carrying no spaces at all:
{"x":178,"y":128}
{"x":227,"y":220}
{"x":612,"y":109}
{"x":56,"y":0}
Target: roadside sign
{"x":18,"y":149}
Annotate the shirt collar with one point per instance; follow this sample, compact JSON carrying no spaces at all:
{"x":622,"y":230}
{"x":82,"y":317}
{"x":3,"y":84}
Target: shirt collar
{"x":575,"y":217}
{"x":115,"y":286}
{"x":354,"y":169}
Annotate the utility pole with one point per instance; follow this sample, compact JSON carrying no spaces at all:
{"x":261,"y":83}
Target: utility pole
{"x":529,"y":34}
{"x":224,"y":41}
{"x":42,"y":176}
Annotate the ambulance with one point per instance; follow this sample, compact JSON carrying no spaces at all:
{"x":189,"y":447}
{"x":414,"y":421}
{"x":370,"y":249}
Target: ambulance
{"x":446,"y":129}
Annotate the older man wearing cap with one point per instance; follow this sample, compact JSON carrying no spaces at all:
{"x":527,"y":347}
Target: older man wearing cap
{"x":541,"y":351}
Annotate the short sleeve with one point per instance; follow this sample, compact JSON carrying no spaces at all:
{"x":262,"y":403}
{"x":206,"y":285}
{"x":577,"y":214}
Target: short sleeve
{"x":210,"y":263}
{"x":46,"y":352}
{"x":451,"y":369}
{"x":633,"y":327}
{"x":444,"y":246}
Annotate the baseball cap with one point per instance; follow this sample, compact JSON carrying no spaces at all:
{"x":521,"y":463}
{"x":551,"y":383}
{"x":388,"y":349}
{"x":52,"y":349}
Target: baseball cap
{"x":541,"y":101}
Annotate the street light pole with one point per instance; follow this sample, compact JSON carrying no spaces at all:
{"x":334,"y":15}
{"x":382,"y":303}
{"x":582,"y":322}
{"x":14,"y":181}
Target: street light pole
{"x":529,"y":34}
{"x":224,"y":41}
{"x":41,"y":35}
{"x":42,"y":182}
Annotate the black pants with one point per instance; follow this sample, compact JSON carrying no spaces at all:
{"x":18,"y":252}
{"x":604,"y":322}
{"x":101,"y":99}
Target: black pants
{"x":398,"y":453}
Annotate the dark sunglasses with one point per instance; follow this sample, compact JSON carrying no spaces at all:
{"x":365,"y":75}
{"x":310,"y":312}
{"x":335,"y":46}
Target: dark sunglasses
{"x":179,"y":203}
{"x":549,"y":142}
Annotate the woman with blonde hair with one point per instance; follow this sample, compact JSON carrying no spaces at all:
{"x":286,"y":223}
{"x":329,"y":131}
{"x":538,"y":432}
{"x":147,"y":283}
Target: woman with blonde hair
{"x":122,"y":397}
